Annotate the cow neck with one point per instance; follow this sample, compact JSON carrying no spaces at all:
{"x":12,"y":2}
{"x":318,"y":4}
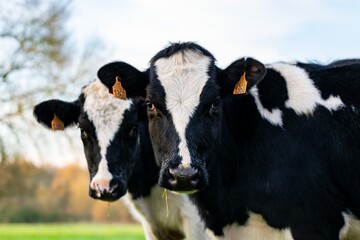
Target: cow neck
{"x":217,"y":198}
{"x":239,"y":122}
{"x":145,"y":174}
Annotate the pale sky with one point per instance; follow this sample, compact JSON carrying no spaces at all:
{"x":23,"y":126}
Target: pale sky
{"x":268,"y":30}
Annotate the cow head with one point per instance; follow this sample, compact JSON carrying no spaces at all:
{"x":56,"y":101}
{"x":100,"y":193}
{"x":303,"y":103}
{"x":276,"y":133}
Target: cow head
{"x":184,"y":98}
{"x":109,"y":132}
{"x":185,"y":92}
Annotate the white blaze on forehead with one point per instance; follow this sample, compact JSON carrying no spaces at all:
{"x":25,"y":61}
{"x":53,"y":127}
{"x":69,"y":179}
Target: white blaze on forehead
{"x":183,"y":76}
{"x":304,"y":97}
{"x":106,"y":113}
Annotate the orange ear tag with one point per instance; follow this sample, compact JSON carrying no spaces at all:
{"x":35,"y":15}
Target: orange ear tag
{"x":240,"y":86}
{"x":118,"y":90}
{"x":57,"y":124}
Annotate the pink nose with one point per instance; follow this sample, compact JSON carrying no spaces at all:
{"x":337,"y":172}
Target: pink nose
{"x":101,"y":186}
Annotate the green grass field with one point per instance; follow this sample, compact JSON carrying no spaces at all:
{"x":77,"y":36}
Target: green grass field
{"x":70,"y":231}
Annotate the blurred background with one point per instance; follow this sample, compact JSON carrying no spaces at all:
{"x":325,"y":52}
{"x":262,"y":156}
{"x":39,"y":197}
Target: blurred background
{"x":51,"y":48}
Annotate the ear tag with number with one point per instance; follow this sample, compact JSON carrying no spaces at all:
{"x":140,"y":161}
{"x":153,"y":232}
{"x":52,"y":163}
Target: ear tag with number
{"x":118,"y":90}
{"x":57,"y":124}
{"x":240,"y":86}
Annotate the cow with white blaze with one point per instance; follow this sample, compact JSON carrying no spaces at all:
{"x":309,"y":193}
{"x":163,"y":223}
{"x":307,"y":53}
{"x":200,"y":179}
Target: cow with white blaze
{"x":120,"y":158}
{"x":268,"y":152}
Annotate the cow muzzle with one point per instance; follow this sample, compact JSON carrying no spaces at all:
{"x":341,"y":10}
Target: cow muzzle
{"x":183,"y":180}
{"x":106,"y":190}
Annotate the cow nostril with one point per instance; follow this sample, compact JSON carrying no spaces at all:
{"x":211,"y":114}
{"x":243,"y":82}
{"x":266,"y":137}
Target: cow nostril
{"x":101,"y":187}
{"x":195,"y":178}
{"x":195,"y":173}
{"x":98,"y":188}
{"x":172,"y":179}
{"x":183,"y":176}
{"x":114,"y":188}
{"x":183,"y":179}
{"x":171,"y":172}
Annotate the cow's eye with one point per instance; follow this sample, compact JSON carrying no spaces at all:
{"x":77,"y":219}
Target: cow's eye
{"x":133,"y":132}
{"x":215,"y":106}
{"x":84,"y":134}
{"x":150,"y":106}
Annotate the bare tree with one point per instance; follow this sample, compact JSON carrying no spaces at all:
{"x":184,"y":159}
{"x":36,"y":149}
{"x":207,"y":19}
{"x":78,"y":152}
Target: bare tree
{"x":37,"y":61}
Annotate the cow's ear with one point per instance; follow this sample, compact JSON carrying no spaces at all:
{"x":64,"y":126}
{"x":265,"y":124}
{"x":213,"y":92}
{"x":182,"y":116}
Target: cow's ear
{"x":57,"y":114}
{"x":124,"y":80}
{"x":241,"y":76}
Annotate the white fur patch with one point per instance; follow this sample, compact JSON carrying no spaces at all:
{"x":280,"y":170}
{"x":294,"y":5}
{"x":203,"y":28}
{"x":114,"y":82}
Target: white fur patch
{"x":193,"y":226}
{"x":106,"y":113}
{"x":183,"y":76}
{"x":345,"y":229}
{"x":182,"y":216}
{"x":254,"y":229}
{"x":135,"y":213}
{"x":274,"y":116}
{"x":333,"y":103}
{"x":351,"y":228}
{"x":304,"y":97}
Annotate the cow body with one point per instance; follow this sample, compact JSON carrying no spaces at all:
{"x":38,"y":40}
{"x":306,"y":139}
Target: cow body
{"x":121,"y":160}
{"x":289,"y":182}
{"x":279,"y":162}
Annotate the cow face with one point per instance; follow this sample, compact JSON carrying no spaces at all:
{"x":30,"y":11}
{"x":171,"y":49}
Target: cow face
{"x":185,"y":93}
{"x":185,"y":97}
{"x":108,"y":127}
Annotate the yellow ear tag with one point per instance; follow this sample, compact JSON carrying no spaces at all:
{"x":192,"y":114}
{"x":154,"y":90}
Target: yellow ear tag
{"x":57,"y":124}
{"x":118,"y":90}
{"x":240,"y":86}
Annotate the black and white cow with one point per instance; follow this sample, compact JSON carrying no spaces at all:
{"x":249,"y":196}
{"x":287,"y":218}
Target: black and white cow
{"x":280,"y":161}
{"x":120,"y":158}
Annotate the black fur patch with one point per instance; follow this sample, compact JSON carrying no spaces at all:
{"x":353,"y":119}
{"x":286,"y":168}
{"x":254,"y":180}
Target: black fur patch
{"x":273,"y":91}
{"x":174,"y":48}
{"x":132,"y":80}
{"x":68,"y":112}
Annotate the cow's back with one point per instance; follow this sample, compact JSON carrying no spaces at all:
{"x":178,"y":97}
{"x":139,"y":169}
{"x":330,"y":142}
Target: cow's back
{"x":340,"y":78}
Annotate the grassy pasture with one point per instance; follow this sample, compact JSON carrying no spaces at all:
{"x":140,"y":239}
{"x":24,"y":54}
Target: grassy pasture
{"x":70,"y":231}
